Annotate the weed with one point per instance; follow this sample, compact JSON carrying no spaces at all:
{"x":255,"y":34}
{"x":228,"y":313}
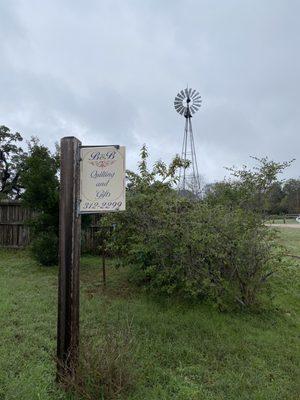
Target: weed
{"x":107,"y":368}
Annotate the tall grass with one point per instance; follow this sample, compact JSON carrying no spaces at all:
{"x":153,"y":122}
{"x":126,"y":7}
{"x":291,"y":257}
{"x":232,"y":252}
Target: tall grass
{"x":107,"y":365}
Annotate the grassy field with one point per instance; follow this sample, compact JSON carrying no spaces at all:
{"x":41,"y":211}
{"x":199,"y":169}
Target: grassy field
{"x":181,"y":351}
{"x":290,"y":237}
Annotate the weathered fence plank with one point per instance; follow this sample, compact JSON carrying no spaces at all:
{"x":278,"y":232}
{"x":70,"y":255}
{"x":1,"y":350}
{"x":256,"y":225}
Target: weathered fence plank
{"x":13,"y":229}
{"x":14,"y":232}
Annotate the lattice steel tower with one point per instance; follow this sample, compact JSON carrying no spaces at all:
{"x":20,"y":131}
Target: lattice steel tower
{"x":186,"y":103}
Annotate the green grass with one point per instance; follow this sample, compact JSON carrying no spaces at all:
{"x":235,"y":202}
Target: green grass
{"x":290,"y":237}
{"x":182,"y":351}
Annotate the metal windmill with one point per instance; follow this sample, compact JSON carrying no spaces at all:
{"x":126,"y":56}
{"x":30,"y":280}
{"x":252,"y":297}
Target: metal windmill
{"x":186,"y":103}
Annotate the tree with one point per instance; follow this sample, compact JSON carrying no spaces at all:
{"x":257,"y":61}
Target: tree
{"x":226,"y":193}
{"x":161,"y":175}
{"x":291,"y":199}
{"x":39,"y":178}
{"x":255,"y":189}
{"x":273,"y":199}
{"x":11,"y":159}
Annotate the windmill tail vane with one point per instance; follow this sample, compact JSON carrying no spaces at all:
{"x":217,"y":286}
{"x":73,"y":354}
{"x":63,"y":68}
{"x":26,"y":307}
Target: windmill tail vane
{"x":186,"y":103}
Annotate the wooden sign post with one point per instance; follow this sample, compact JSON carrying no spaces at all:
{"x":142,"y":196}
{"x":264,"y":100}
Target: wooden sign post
{"x":92,"y":180}
{"x":69,"y":259}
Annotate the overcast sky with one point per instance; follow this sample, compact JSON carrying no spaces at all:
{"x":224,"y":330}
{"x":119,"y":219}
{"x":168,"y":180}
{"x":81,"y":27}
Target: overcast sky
{"x":107,"y":72}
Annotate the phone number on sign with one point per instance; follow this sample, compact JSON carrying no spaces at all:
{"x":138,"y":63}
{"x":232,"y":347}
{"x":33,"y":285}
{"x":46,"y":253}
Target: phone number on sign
{"x":105,"y":205}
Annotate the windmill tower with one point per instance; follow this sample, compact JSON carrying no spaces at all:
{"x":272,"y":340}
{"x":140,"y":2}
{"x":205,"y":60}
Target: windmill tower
{"x":186,"y":103}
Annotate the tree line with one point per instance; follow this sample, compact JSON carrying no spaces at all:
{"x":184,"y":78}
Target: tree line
{"x":282,"y":197}
{"x":268,"y":193}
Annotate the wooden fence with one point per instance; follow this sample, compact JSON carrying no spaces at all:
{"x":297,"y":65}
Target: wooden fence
{"x":285,"y":218}
{"x":14,"y":232}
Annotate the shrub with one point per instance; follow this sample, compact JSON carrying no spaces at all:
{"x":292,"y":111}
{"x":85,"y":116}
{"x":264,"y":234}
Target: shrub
{"x":174,"y":245}
{"x":195,"y":248}
{"x":232,"y":255}
{"x":45,"y":248}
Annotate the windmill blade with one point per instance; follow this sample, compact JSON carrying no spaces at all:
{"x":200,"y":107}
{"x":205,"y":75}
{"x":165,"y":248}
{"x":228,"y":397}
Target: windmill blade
{"x":196,"y":94}
{"x":179,"y":96}
{"x":178,"y":107}
{"x":186,"y":92}
{"x":178,"y":102}
{"x":197,"y":101}
{"x":193,"y":92}
{"x":183,"y":94}
{"x":183,"y":110}
{"x":180,"y":110}
{"x":197,"y":97}
{"x":190,"y":91}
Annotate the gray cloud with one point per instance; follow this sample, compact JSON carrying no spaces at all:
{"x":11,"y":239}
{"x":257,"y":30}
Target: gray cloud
{"x":107,"y":72}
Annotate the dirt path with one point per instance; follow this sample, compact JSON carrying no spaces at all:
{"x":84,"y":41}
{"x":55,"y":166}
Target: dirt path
{"x":296,"y":226}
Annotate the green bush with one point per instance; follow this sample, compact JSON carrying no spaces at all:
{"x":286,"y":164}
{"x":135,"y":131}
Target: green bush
{"x":232,"y":255}
{"x":190,"y":247}
{"x":174,"y":245}
{"x":44,"y":248}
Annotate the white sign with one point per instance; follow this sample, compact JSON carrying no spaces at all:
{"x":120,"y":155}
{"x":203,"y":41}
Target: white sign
{"x":102,"y":179}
